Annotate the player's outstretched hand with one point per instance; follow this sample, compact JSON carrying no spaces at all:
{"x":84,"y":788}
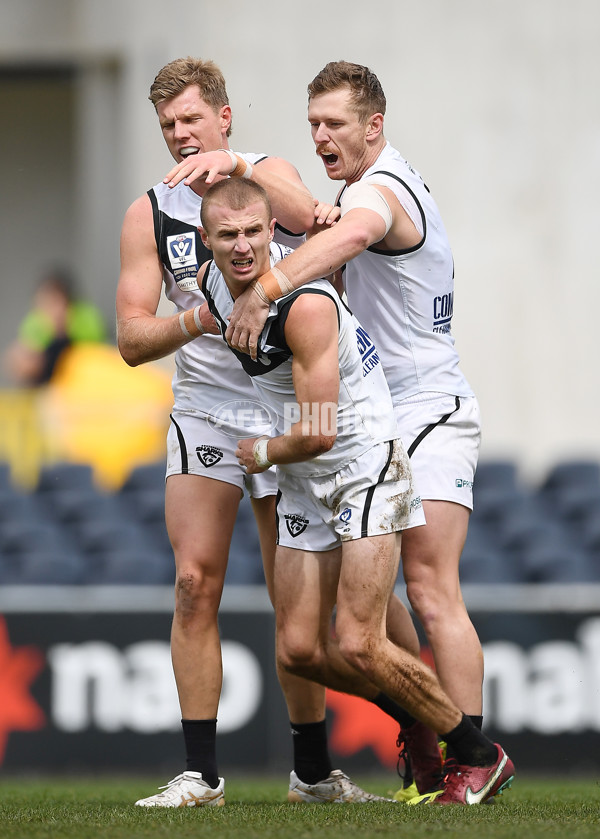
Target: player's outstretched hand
{"x":248,"y":316}
{"x":204,"y":167}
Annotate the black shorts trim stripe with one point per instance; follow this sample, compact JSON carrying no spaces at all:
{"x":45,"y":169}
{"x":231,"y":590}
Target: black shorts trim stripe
{"x":430,"y":428}
{"x":277,"y":500}
{"x":364,"y":525}
{"x":182,"y":448}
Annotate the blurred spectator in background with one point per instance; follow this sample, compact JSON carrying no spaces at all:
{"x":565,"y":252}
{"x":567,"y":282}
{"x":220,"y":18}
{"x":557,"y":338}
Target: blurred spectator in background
{"x":57,"y":320}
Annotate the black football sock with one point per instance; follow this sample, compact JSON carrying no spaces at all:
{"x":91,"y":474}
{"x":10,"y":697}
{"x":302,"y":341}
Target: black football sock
{"x":200,"y":738}
{"x":477,"y":722}
{"x":469,"y":745}
{"x":311,"y":754}
{"x":393,"y":710}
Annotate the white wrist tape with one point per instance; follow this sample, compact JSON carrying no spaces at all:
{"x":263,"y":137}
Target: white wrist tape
{"x":366,"y":196}
{"x":258,"y":288}
{"x":184,"y":328}
{"x":240,"y":168}
{"x":197,"y":320}
{"x":259,"y":450}
{"x":232,"y":157}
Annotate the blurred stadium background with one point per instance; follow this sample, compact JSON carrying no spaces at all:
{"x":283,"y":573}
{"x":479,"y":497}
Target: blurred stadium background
{"x":496,"y":103}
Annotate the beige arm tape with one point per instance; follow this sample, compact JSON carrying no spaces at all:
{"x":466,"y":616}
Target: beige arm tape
{"x":240,"y":168}
{"x":190,"y":323}
{"x":273,"y":285}
{"x":366,"y":196}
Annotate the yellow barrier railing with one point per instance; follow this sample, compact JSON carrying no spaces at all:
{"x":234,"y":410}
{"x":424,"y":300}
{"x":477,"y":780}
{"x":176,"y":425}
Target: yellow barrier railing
{"x":22,"y":444}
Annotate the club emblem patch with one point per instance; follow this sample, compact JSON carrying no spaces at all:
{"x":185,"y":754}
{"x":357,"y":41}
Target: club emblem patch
{"x":295,"y":524}
{"x":181,"y":250}
{"x":346,"y":515}
{"x":209,"y":455}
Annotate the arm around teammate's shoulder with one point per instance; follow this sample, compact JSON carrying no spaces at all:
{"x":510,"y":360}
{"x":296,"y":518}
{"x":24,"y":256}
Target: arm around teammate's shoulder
{"x":331,"y":248}
{"x":318,"y":257}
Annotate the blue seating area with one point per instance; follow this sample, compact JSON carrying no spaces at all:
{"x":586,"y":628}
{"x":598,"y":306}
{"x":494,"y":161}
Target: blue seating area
{"x":543,"y":534}
{"x":67,"y":531}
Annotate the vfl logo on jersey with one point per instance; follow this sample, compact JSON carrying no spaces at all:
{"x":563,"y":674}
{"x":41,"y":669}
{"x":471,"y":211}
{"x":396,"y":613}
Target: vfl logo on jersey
{"x":184,"y":262}
{"x":209,"y":455}
{"x":295,"y":524}
{"x":367,"y":350}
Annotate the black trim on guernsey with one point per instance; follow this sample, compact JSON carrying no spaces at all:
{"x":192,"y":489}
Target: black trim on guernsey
{"x":276,"y":336}
{"x":182,"y":448}
{"x":420,"y":244}
{"x":277,"y":331}
{"x":416,"y":247}
{"x":155,"y":214}
{"x":286,"y":231}
{"x":364,"y":525}
{"x":165,"y":225}
{"x":211,"y":305}
{"x":430,"y":428}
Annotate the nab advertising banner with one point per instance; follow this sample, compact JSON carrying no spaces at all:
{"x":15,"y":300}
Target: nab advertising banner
{"x":86,"y":683}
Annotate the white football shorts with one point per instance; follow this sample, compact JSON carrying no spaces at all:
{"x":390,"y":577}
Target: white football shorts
{"x":368,"y":497}
{"x":196,"y":445}
{"x":442,"y":435}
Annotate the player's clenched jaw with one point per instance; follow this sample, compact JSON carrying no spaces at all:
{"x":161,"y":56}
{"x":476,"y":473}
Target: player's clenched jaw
{"x":340,"y":137}
{"x":191,"y":126}
{"x":239,"y":240}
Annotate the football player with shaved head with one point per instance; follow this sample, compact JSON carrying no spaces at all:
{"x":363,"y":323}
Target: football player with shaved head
{"x":391,"y":247}
{"x":162,"y":248}
{"x":344,"y":477}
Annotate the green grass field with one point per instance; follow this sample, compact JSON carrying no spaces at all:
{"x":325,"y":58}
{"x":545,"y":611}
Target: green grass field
{"x":72,"y":808}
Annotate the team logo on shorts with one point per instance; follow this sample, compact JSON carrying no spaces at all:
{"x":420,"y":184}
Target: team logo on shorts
{"x":209,"y":455}
{"x":295,"y":524}
{"x":346,"y":515}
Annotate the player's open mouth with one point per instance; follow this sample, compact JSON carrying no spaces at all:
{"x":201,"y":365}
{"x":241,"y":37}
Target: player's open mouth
{"x":188,"y":150}
{"x":242,"y":263}
{"x":329,"y":159}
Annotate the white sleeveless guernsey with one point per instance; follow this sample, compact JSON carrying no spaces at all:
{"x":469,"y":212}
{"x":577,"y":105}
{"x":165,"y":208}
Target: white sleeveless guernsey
{"x":405,"y":299}
{"x":206,"y":373}
{"x":365,"y":412}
